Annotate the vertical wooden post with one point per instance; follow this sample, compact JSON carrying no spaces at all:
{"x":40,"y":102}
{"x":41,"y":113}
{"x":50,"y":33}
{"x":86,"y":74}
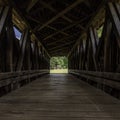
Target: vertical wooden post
{"x":23,"y":49}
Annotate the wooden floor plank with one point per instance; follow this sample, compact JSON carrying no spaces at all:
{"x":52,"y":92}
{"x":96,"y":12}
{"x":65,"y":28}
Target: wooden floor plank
{"x":59,"y":97}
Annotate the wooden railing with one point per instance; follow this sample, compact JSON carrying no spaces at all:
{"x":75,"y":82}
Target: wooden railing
{"x":13,"y":80}
{"x":105,"y":78}
{"x":101,"y":80}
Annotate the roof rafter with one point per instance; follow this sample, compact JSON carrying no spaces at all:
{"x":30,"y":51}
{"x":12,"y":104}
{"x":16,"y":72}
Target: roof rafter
{"x":68,"y":27}
{"x":52,"y":9}
{"x":60,"y":49}
{"x":37,"y":21}
{"x":58,"y":30}
{"x":74,"y":35}
{"x":59,"y":14}
{"x":31,"y":5}
{"x":63,"y":45}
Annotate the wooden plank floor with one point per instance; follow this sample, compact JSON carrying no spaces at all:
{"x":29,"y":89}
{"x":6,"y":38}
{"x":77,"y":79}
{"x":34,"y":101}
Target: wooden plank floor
{"x":59,"y":97}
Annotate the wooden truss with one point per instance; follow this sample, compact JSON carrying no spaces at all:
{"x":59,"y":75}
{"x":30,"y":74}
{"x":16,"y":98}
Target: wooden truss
{"x":93,"y":57}
{"x":18,"y":55}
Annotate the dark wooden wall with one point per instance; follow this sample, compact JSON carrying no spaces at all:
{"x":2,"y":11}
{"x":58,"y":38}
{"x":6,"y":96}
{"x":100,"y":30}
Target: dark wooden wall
{"x":97,"y":59}
{"x":22,"y":60}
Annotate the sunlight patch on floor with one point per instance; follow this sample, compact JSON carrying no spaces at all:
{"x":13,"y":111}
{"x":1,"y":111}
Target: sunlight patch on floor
{"x":59,"y":71}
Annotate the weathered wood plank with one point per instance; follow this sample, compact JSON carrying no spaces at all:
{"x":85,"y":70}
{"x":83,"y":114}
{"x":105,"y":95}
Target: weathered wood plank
{"x":56,"y":97}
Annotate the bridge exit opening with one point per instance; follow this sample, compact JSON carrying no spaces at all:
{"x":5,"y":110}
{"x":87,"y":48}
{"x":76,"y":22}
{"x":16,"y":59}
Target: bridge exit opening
{"x":59,"y":65}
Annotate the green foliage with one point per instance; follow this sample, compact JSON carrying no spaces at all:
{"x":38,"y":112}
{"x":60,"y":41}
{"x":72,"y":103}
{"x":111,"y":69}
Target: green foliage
{"x":59,"y":62}
{"x":100,"y":31}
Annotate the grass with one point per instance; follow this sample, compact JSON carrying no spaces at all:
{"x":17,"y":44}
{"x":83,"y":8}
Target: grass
{"x":59,"y":71}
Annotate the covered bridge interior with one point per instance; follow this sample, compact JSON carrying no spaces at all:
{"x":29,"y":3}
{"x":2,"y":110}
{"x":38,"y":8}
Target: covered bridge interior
{"x":87,"y":32}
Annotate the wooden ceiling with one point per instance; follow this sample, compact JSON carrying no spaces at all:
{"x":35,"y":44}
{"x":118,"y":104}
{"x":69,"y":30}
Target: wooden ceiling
{"x":58,"y":23}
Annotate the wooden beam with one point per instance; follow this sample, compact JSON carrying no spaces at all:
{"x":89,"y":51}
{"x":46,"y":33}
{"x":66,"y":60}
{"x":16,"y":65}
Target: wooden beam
{"x":10,"y":44}
{"x":3,"y":18}
{"x":107,"y":46}
{"x":60,"y":14}
{"x":37,"y":21}
{"x":6,"y":39}
{"x":60,"y":49}
{"x":53,"y":48}
{"x":115,"y":18}
{"x":93,"y":41}
{"x":94,"y":15}
{"x":66,"y":34}
{"x":68,"y":27}
{"x":52,"y":9}
{"x":22,"y":51}
{"x":31,"y":5}
{"x":36,"y":55}
{"x":33,"y":19}
{"x":59,"y":53}
{"x":64,"y":39}
{"x":28,"y":25}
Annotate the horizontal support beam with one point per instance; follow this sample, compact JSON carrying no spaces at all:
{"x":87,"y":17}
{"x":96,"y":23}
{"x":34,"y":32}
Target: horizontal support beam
{"x":77,"y":23}
{"x":55,"y":11}
{"x":60,"y":49}
{"x":64,"y":40}
{"x":7,"y":78}
{"x":107,"y":78}
{"x":31,"y":4}
{"x":60,"y":14}
{"x":64,"y":44}
{"x":57,"y":30}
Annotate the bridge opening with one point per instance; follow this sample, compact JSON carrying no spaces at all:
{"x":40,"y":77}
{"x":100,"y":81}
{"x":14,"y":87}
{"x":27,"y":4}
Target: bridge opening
{"x":59,"y":64}
{"x":18,"y":33}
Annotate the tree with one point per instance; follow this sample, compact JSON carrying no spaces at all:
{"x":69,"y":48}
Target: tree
{"x":62,"y":62}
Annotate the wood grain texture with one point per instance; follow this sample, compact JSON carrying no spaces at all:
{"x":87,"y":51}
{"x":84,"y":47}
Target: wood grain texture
{"x":59,"y":97}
